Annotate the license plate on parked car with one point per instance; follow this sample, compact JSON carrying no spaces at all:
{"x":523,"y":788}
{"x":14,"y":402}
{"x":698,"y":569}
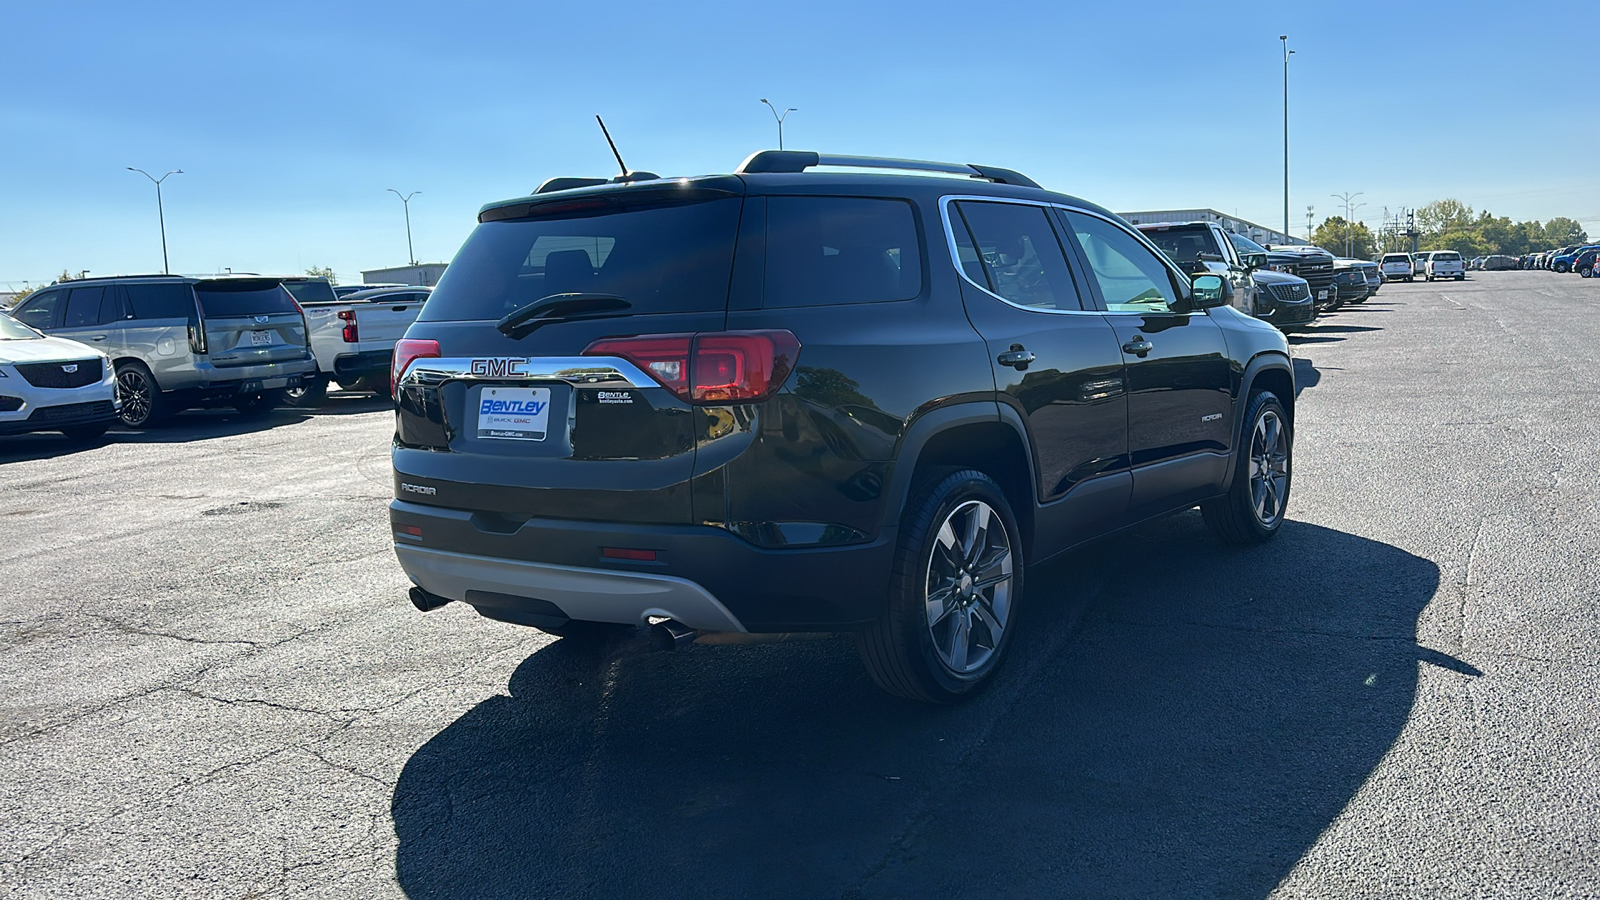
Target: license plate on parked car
{"x":257,"y":338}
{"x":513,"y":414}
{"x":1322,"y":295}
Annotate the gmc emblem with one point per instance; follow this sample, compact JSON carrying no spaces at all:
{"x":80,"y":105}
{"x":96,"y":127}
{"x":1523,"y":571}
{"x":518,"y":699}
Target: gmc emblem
{"x":499,"y":367}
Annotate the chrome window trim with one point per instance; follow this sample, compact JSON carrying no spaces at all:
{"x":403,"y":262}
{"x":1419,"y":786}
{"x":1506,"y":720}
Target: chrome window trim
{"x":955,"y":255}
{"x":581,"y":371}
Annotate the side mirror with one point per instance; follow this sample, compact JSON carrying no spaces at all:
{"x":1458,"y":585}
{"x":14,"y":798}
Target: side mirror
{"x":1211,"y":290}
{"x":1255,"y":260}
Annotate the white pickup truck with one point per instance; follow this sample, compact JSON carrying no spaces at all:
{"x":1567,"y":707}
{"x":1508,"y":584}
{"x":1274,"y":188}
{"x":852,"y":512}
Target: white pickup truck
{"x":353,"y":339}
{"x":1445,"y":264}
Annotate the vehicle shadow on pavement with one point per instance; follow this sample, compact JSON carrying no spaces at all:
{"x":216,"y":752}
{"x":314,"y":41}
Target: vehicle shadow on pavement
{"x":1174,"y":725}
{"x":1304,"y":338}
{"x":1306,"y":375}
{"x":1345,"y":329}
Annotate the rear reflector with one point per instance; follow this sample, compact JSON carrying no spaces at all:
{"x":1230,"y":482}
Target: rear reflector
{"x":627,"y":553}
{"x":413,"y":530}
{"x":407,"y":351}
{"x":710,"y":367}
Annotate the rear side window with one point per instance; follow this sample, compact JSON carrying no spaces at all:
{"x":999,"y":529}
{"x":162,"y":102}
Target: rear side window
{"x":1020,"y":254}
{"x":83,"y":307}
{"x":231,"y":299}
{"x":659,"y":258}
{"x":160,"y":301}
{"x":39,"y":311}
{"x":1131,"y":278}
{"x":1183,"y":245}
{"x":828,"y":250}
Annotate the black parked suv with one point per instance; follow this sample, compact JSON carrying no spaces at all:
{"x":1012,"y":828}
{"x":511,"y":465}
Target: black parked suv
{"x":1314,"y":264}
{"x":793,"y":401}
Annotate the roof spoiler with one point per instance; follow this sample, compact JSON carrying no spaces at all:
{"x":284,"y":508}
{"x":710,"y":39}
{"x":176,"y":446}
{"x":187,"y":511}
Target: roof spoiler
{"x":566,"y":184}
{"x":801,"y":160}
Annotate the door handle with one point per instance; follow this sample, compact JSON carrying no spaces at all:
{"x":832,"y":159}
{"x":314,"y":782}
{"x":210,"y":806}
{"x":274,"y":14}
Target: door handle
{"x":1017,"y":357}
{"x":1138,"y":347}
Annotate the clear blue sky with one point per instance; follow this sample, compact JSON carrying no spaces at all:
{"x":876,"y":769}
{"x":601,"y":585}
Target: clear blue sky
{"x":290,"y":119}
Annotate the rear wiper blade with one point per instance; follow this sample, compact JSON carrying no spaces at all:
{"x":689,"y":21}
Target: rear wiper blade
{"x":522,"y":321}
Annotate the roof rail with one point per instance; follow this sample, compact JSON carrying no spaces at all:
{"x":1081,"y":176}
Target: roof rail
{"x":801,"y":160}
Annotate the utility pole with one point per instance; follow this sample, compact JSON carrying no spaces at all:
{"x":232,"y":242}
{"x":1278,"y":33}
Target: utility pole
{"x":779,"y":118}
{"x":405,"y":200}
{"x":1310,"y":215}
{"x":161,"y":212}
{"x":1286,"y":54}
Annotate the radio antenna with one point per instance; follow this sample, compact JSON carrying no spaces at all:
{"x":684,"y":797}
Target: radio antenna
{"x":603,"y":130}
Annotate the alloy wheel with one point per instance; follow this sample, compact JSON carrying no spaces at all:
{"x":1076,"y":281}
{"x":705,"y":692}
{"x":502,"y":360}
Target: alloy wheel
{"x":135,"y":392}
{"x":1269,"y":468}
{"x":968,"y":587}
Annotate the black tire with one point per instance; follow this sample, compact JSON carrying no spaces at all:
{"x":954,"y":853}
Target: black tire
{"x":312,"y":393}
{"x":260,"y":404}
{"x":368,"y":383}
{"x":86,"y":433}
{"x":1461,"y":278}
{"x":1237,"y":516}
{"x":143,"y":403}
{"x":905,"y":653}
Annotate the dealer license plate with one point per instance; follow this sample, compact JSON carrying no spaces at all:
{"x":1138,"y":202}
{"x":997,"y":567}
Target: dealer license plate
{"x":513,"y":414}
{"x":1322,"y":295}
{"x":257,"y":338}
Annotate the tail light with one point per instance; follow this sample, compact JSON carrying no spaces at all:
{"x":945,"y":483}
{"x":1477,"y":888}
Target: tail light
{"x":351,"y":334}
{"x":710,"y":367}
{"x":197,"y":336}
{"x":406,"y":352}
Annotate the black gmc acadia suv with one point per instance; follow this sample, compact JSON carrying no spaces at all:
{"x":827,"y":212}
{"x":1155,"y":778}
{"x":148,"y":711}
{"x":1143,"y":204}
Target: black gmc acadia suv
{"x":792,"y":401}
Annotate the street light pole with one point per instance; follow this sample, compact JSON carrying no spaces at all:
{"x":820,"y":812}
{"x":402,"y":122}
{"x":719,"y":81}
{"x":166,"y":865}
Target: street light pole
{"x":1348,"y":212}
{"x":780,"y":119}
{"x":405,"y":200}
{"x":161,"y":212}
{"x":1286,"y":54}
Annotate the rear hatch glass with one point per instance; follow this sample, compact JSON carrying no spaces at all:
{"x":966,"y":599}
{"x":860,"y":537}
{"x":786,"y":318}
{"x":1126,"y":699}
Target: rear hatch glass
{"x":250,"y":322}
{"x":1183,"y":245}
{"x":660,"y":259}
{"x":311,"y":291}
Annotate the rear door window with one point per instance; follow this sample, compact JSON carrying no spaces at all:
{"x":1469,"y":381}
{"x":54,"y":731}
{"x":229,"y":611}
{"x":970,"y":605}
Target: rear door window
{"x":1020,"y":255}
{"x":161,"y":301}
{"x":828,"y":250}
{"x":661,"y":258}
{"x":235,"y":299}
{"x":1131,"y":277}
{"x":83,"y":307}
{"x":112,"y":309}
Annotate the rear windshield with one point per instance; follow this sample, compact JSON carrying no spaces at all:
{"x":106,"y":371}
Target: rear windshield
{"x":1183,"y":245}
{"x":1448,"y":257}
{"x":226,"y":299}
{"x":660,"y":259}
{"x":1245,"y":245}
{"x":311,"y":291}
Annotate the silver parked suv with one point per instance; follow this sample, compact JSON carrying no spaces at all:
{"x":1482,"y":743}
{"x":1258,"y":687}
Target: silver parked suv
{"x":180,"y":342}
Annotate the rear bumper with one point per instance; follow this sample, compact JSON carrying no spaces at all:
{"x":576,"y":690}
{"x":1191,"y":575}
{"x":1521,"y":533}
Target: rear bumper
{"x":354,"y":365}
{"x":703,"y":576}
{"x":232,"y":378}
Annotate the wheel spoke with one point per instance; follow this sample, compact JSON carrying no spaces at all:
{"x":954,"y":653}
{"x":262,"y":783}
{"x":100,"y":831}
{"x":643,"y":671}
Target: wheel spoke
{"x":960,"y":638}
{"x":986,"y":615}
{"x":939,"y":604}
{"x":993,"y":568}
{"x":977,"y":534}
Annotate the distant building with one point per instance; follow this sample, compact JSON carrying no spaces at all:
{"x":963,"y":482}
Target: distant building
{"x":426,"y":274}
{"x":1261,"y":234}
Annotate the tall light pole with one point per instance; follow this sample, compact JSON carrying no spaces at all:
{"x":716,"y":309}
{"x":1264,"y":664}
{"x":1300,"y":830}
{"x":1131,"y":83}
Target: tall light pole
{"x":1348,"y":212}
{"x":405,"y":200}
{"x":779,"y":118}
{"x":161,"y":212}
{"x":1286,"y":54}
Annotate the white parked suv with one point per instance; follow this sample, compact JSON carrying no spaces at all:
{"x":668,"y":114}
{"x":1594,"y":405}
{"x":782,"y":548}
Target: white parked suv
{"x":53,"y":384}
{"x":1396,"y":267}
{"x":1445,"y":264}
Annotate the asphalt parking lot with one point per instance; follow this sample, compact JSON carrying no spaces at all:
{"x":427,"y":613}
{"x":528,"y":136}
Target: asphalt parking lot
{"x":211,"y":683}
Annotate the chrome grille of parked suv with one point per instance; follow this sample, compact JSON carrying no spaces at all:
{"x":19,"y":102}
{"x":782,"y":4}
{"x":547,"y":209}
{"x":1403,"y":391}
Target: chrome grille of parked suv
{"x":1289,"y":293}
{"x":56,"y":374}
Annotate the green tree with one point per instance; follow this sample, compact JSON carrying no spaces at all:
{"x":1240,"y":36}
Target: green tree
{"x":1467,"y":241}
{"x":322,"y":272}
{"x":1335,"y":235}
{"x":1562,"y":231}
{"x":1444,"y":215}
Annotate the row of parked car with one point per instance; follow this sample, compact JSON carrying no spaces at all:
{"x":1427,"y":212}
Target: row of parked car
{"x":78,"y":356}
{"x":1579,"y":258}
